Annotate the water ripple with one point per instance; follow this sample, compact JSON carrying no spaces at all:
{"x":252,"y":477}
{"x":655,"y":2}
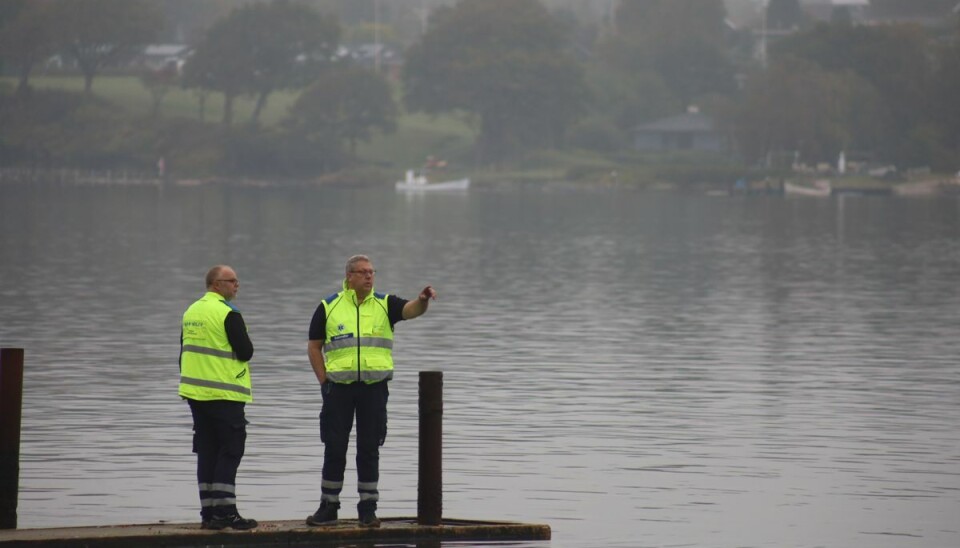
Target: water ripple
{"x":634,"y":369}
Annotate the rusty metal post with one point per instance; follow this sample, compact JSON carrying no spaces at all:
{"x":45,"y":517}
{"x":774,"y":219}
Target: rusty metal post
{"x":11,"y":398}
{"x":430,"y":485}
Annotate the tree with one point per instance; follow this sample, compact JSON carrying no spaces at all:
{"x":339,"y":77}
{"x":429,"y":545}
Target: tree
{"x":660,"y":21}
{"x":784,"y":14}
{"x":9,"y":10}
{"x":630,"y":99}
{"x":841,"y":16}
{"x":60,"y":128}
{"x":894,"y":8}
{"x":27,"y":39}
{"x":98,"y":33}
{"x":159,"y":83}
{"x":503,"y":61}
{"x":894,"y":59}
{"x":217,"y":65}
{"x":261,"y":48}
{"x":345,"y":104}
{"x":682,"y":41}
{"x":797,"y":106}
{"x":946,"y":89}
{"x":187,"y":21}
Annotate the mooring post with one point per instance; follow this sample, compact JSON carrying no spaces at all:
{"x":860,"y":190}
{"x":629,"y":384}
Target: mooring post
{"x":430,"y":485}
{"x":11,"y":397}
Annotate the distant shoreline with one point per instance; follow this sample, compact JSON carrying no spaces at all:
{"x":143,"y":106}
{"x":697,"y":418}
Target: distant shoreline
{"x":932,"y":185}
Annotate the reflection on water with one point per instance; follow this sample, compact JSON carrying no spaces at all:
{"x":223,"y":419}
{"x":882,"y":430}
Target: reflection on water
{"x":633,"y":369}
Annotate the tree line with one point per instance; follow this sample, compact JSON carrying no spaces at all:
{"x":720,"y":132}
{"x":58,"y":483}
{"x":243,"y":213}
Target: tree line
{"x":886,"y":91}
{"x":526,"y":77}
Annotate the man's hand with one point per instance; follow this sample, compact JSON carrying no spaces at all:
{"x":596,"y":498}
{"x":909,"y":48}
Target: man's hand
{"x":418,"y":306}
{"x":428,"y":293}
{"x":315,"y":353}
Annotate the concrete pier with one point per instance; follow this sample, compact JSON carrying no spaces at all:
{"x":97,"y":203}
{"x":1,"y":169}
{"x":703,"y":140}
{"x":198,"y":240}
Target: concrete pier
{"x":427,"y":530}
{"x":273,"y":534}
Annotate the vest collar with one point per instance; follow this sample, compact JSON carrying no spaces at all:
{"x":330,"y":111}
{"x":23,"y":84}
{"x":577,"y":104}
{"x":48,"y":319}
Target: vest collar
{"x":216,"y":297}
{"x":213,"y":296}
{"x":352,"y":293}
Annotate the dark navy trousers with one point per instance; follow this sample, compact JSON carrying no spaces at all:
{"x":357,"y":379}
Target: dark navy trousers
{"x":219,"y":438}
{"x":341,"y":402}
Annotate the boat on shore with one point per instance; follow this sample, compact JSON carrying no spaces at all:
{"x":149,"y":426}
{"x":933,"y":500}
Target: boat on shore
{"x":821,"y":189}
{"x":929,"y":187}
{"x":419,"y":183}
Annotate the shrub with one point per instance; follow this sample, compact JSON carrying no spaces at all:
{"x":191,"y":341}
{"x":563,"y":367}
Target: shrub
{"x":596,"y":134}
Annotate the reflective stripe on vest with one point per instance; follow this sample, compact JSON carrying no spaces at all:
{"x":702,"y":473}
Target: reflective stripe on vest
{"x":210,"y":351}
{"x":373,"y":342}
{"x":214,"y":384}
{"x":365,"y":375}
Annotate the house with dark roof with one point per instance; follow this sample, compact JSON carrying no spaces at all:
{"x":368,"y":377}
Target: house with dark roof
{"x":691,"y":130}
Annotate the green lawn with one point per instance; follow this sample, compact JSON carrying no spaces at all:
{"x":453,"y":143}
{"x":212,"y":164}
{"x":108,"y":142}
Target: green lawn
{"x":449,"y":137}
{"x":417,"y":135}
{"x":129,"y":94}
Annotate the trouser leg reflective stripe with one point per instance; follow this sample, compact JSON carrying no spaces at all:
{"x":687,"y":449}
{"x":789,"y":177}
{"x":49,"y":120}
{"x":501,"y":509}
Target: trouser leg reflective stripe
{"x":336,"y":422}
{"x":330,"y":491}
{"x":204,"y":445}
{"x":369,"y":495}
{"x":371,"y":430}
{"x":219,"y":440}
{"x":218,"y":497}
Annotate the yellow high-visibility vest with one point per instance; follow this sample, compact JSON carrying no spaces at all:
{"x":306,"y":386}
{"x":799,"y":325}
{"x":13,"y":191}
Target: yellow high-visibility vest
{"x":359,"y":338}
{"x":209,"y":368}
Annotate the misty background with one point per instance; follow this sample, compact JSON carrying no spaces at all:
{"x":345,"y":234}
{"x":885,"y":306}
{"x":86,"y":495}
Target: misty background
{"x":684,"y":91}
{"x":634,"y":352}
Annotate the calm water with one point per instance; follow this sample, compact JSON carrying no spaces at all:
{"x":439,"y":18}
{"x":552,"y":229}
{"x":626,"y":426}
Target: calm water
{"x":633,"y":369}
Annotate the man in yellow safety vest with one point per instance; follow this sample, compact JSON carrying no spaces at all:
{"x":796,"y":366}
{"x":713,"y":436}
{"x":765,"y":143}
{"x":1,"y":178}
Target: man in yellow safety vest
{"x":351,"y":352}
{"x":215,"y":380}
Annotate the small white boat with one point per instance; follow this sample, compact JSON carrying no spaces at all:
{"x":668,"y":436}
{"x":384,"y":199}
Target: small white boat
{"x":419,"y":183}
{"x":917,"y":188}
{"x":821,"y":188}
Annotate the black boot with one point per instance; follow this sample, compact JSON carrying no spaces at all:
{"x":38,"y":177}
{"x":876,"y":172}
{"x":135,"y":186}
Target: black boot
{"x":367,"y":511}
{"x":368,"y":518}
{"x":325,"y":515}
{"x":232,"y":520}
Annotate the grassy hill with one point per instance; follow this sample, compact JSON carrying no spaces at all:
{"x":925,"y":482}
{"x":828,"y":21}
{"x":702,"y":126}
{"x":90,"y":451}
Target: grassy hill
{"x":449,"y":137}
{"x":417,"y":135}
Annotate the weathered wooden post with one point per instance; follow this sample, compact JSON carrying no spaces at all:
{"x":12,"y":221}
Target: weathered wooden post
{"x":11,"y":398}
{"x":430,"y":484}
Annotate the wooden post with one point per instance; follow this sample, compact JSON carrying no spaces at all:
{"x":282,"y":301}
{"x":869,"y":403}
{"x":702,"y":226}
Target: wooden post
{"x":430,"y":485}
{"x":11,"y":398}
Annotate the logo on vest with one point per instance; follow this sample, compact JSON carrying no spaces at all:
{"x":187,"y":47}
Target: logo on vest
{"x":341,"y":327}
{"x":193,"y":329}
